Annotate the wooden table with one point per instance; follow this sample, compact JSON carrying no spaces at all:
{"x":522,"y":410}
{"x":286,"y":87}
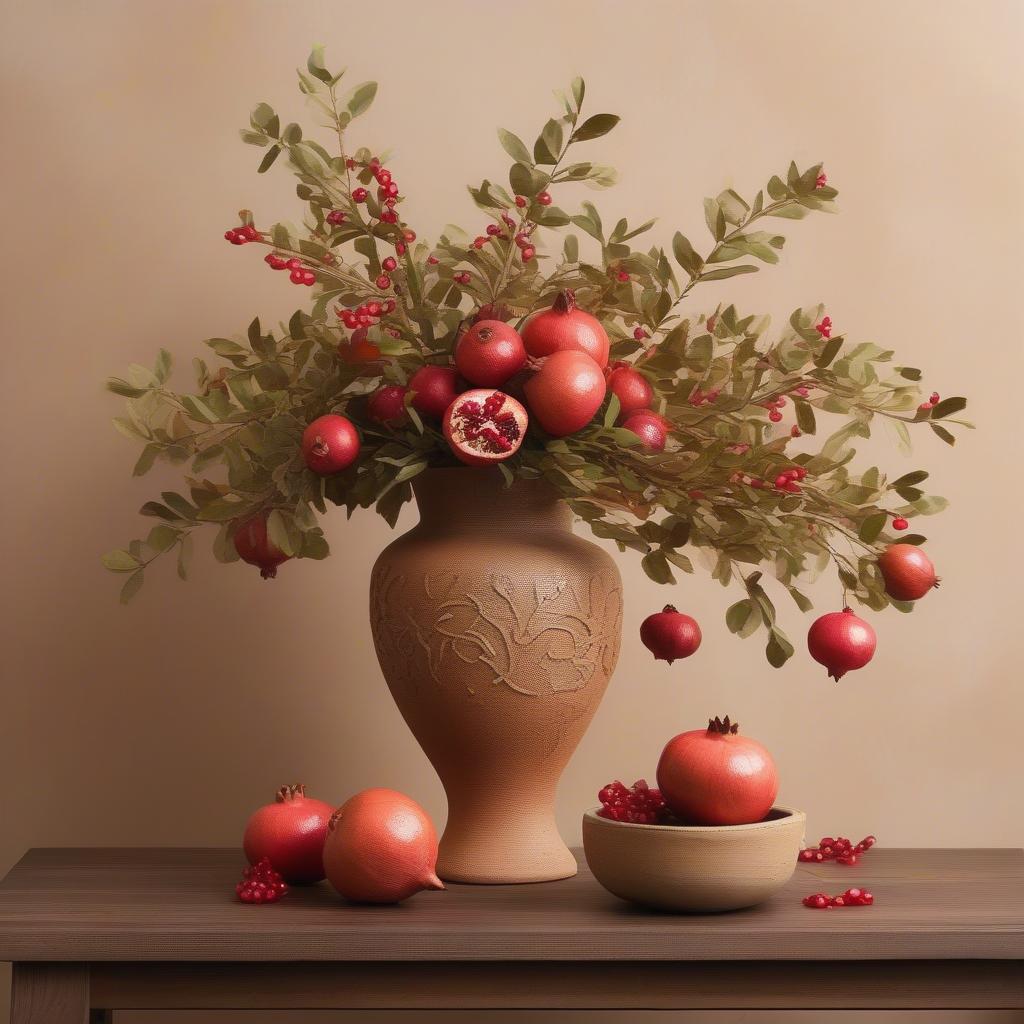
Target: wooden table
{"x":161,"y":929}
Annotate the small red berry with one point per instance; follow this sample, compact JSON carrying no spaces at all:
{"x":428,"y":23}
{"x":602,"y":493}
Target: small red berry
{"x":297,"y":276}
{"x":383,"y":176}
{"x":479,"y":242}
{"x":639,"y":333}
{"x":374,"y":308}
{"x":527,"y":252}
{"x":934,"y":399}
{"x":775,"y":416}
{"x":544,"y":198}
{"x":433,"y":261}
{"x":400,"y":248}
{"x":389,"y":217}
{"x":383,"y":282}
{"x":899,"y":523}
{"x":925,"y":407}
{"x":622,"y":276}
{"x":409,"y":235}
{"x":359,"y":195}
{"x":390,"y":264}
{"x":520,"y":201}
{"x":336,"y":217}
{"x":821,"y":180}
{"x":795,"y":431}
{"x":493,"y":229}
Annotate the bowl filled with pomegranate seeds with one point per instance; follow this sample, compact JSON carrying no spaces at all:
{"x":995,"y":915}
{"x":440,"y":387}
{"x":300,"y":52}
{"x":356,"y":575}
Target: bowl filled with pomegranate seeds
{"x":641,"y":851}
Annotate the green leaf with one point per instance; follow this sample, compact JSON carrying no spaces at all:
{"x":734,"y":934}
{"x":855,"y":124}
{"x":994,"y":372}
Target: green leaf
{"x":549,"y":143}
{"x":361,"y":97}
{"x":315,"y":65}
{"x":263,"y":117}
{"x":132,"y":586}
{"x":514,"y":146}
{"x":943,"y":433}
{"x":594,"y":127}
{"x":120,"y":561}
{"x":685,"y":254}
{"x":162,"y":537}
{"x":146,"y":460}
{"x":267,"y":162}
{"x":872,"y":527}
{"x":778,"y":649}
{"x":805,"y":417}
{"x":910,"y":479}
{"x":611,"y":414}
{"x":738,"y":615}
{"x":947,"y":407}
{"x":724,"y":272}
{"x":657,"y":568}
{"x":828,"y":353}
{"x":184,"y":555}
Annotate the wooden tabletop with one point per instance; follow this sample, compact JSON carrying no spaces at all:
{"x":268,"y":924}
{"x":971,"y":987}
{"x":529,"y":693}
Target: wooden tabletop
{"x":179,"y":905}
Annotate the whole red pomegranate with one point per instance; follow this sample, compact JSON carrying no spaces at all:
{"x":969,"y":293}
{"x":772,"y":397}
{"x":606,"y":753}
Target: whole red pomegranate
{"x":434,"y":389}
{"x":714,"y":776}
{"x":330,"y":444}
{"x":670,"y":634}
{"x":387,"y":405}
{"x":489,"y":353}
{"x":649,"y":427}
{"x":908,"y":572}
{"x":565,"y":392}
{"x":255,"y":547}
{"x":484,"y":426}
{"x":841,"y":642}
{"x":566,"y":327}
{"x":632,"y":389}
{"x":381,"y":848}
{"x":290,"y":833}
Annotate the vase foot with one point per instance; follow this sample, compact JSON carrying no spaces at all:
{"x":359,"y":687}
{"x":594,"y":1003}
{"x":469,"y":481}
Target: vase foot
{"x":489,"y":859}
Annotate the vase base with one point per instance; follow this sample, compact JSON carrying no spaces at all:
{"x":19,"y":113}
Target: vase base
{"x":544,"y":862}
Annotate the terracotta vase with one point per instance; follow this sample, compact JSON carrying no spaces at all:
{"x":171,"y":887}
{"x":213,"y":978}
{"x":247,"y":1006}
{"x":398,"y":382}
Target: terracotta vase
{"x":497,"y":630}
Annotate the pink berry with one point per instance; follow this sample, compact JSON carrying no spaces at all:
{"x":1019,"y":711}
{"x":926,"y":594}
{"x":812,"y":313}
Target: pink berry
{"x":390,"y":264}
{"x":383,"y":282}
{"x":527,"y":253}
{"x":359,"y":195}
{"x":775,"y":416}
{"x":622,"y":276}
{"x":544,"y":198}
{"x":899,"y":523}
{"x":520,"y":201}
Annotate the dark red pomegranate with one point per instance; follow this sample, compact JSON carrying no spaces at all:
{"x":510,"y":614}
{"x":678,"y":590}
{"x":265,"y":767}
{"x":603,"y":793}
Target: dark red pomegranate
{"x":632,"y":389}
{"x":255,"y":547}
{"x":434,"y":389}
{"x":649,"y":427}
{"x":714,"y":776}
{"x":489,"y":353}
{"x":670,"y":634}
{"x":290,"y":833}
{"x":381,"y":848}
{"x":484,"y":426}
{"x":387,"y":405}
{"x":841,"y":642}
{"x":566,"y":327}
{"x":330,"y":444}
{"x":908,"y":572}
{"x":566,"y":392}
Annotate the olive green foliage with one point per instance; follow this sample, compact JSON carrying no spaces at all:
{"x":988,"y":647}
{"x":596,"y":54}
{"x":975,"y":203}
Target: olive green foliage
{"x":709,"y":496}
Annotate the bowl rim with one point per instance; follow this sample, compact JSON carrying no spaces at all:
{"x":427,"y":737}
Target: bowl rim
{"x":789,"y":816}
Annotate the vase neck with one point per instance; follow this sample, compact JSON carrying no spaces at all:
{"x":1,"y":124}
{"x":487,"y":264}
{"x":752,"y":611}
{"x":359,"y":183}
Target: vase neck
{"x":470,"y":498}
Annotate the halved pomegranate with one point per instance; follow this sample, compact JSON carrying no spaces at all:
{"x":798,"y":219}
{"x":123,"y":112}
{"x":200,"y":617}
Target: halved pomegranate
{"x":484,"y":426}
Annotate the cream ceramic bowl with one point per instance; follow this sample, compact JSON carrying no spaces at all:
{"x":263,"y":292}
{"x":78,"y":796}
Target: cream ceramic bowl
{"x":695,"y":868}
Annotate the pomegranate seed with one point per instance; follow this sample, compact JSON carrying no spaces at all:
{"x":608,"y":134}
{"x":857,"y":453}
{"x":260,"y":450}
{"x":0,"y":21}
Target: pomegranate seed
{"x":359,"y":195}
{"x":390,"y":264}
{"x":544,"y":198}
{"x":899,"y":523}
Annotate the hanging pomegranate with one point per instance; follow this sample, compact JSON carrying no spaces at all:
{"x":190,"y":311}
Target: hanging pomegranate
{"x":566,"y":392}
{"x":649,"y":427}
{"x":632,"y":389}
{"x":841,"y":642}
{"x":290,"y":834}
{"x":330,"y":444}
{"x":434,"y":389}
{"x":387,"y":405}
{"x":489,"y":353}
{"x":484,"y":426}
{"x":908,"y":572}
{"x":381,"y":848}
{"x":714,"y":776}
{"x":566,"y":327}
{"x":670,"y":634}
{"x":255,"y":546}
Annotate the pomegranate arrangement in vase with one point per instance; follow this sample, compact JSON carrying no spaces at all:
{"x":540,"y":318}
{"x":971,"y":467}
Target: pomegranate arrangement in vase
{"x":547,"y":367}
{"x":709,"y":838}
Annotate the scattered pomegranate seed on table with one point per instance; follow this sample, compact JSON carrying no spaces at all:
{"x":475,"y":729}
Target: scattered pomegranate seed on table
{"x":851,"y":898}
{"x":261,"y":884}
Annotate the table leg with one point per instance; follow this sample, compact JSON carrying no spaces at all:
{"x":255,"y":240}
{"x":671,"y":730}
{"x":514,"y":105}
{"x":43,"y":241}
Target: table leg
{"x":49,"y":994}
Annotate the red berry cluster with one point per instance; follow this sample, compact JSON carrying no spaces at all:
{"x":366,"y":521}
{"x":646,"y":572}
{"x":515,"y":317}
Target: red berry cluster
{"x":336,"y":217}
{"x":365,"y":315}
{"x":850,"y":898}
{"x":261,"y":884}
{"x":239,"y":236}
{"x":299,"y":273}
{"x":639,"y":805}
{"x":698,"y":398}
{"x":933,"y":401}
{"x":773,"y":405}
{"x":787,"y":480}
{"x":825,"y":327}
{"x":840,"y":849}
{"x":463,"y":278}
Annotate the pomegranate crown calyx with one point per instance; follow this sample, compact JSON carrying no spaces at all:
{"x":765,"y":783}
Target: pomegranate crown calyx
{"x":722,"y":726}
{"x":565,"y":301}
{"x":295,"y":792}
{"x":332,"y":824}
{"x":671,"y":609}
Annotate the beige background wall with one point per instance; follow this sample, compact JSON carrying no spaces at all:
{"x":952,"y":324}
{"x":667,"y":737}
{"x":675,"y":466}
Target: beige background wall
{"x":166,"y":722}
